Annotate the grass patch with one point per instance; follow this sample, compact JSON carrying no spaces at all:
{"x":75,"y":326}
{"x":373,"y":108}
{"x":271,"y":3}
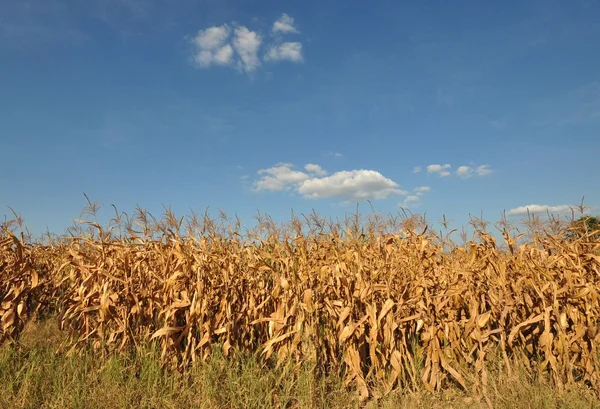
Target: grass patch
{"x":33,"y":375}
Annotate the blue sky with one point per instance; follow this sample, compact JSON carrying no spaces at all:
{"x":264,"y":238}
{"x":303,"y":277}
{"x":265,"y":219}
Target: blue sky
{"x":452,"y":108}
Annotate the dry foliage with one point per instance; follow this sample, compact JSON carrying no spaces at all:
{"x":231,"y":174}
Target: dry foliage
{"x":385,"y":303}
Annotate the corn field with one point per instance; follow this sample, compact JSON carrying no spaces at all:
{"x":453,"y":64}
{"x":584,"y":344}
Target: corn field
{"x":379,"y":301}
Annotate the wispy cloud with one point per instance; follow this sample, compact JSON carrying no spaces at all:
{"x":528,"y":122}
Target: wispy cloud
{"x":443,"y":98}
{"x":124,"y":16}
{"x":466,"y":172}
{"x":34,"y":23}
{"x":483,"y":170}
{"x":537,"y":209}
{"x":498,"y":123}
{"x":345,"y":185}
{"x":334,"y":154}
{"x":580,"y":105}
{"x":285,"y":25}
{"x":413,"y":199}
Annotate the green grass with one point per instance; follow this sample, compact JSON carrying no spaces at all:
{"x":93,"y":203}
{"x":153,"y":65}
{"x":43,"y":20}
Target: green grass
{"x":33,"y":375}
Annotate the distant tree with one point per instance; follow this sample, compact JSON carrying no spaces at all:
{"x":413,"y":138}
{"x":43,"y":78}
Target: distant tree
{"x":588,"y":225}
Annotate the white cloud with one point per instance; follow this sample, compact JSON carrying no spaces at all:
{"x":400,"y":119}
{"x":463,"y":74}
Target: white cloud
{"x":338,"y":155}
{"x":246,"y":44}
{"x":239,"y":46}
{"x":438,"y":168}
{"x":285,"y":24}
{"x":533,"y":208}
{"x":213,"y":37}
{"x":347,"y":185}
{"x":316,"y":169}
{"x":413,"y":199}
{"x":350,"y":185}
{"x":223,"y":55}
{"x":279,"y":177}
{"x":410,"y":201}
{"x":211,"y":46}
{"x":464,"y":172}
{"x":483,"y":170}
{"x":290,"y":51}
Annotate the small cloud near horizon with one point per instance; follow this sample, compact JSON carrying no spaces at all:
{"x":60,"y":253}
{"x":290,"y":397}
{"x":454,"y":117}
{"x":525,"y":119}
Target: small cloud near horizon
{"x":463,"y":171}
{"x":347,"y":185}
{"x":414,"y":198}
{"x":536,"y":209}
